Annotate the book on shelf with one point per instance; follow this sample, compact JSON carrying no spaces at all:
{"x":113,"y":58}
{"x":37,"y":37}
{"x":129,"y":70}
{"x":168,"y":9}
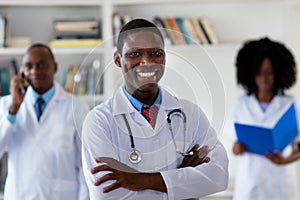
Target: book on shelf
{"x":170,"y":32}
{"x":20,"y":41}
{"x":160,"y":24}
{"x":198,"y":31}
{"x":208,"y":31}
{"x":117,"y":25}
{"x":75,"y":42}
{"x":73,"y":25}
{"x":192,"y":31}
{"x":83,"y":80}
{"x":76,"y":33}
{"x":181,"y":22}
{"x":118,"y":22}
{"x":176,"y":30}
{"x":260,"y":140}
{"x":3,"y":31}
{"x":4,"y":81}
{"x":174,"y":26}
{"x":69,"y":82}
{"x":74,"y":29}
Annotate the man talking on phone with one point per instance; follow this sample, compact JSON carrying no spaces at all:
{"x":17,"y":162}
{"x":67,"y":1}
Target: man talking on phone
{"x":40,"y":133}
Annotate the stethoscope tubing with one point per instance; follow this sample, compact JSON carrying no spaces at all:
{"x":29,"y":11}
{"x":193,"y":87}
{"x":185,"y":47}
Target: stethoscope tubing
{"x":169,"y":121}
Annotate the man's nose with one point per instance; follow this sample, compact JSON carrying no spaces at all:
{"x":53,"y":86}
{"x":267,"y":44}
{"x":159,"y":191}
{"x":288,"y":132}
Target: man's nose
{"x":146,"y":60}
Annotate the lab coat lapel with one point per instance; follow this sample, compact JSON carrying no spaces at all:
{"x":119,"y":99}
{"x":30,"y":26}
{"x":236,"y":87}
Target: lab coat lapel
{"x":29,"y":106}
{"x":58,"y":96}
{"x":255,"y":108}
{"x":168,"y":103}
{"x":121,"y":105}
{"x":275,"y":110}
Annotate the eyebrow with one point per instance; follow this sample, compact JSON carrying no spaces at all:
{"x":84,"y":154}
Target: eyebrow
{"x":151,"y":48}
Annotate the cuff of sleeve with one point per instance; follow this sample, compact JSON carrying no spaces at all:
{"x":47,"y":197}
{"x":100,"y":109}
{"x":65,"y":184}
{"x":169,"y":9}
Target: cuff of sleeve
{"x":11,"y":118}
{"x":168,"y":183}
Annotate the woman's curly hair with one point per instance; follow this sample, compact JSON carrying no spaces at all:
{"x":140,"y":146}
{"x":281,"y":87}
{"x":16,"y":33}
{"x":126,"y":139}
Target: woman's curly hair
{"x":249,"y":60}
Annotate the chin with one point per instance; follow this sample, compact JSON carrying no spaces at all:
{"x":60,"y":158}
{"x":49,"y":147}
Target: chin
{"x":148,"y":87}
{"x":39,"y":89}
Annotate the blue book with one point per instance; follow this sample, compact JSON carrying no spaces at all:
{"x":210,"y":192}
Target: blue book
{"x":260,"y":140}
{"x":186,"y":35}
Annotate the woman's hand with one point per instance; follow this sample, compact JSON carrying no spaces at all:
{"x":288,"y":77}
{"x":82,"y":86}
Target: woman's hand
{"x":239,"y":148}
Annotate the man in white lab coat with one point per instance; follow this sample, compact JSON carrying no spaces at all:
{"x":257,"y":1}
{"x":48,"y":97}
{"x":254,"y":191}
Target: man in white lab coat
{"x":42,"y":139}
{"x":130,"y":156}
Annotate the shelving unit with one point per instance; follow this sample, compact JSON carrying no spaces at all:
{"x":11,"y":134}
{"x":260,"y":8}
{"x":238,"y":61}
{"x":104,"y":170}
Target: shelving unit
{"x":21,"y":16}
{"x":234,"y":22}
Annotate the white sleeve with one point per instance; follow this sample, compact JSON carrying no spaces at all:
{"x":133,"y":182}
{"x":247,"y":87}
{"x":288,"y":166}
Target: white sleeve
{"x":197,"y":182}
{"x":297,"y":140}
{"x":205,"y":179}
{"x":6,"y":128}
{"x":95,"y":143}
{"x":80,"y":110}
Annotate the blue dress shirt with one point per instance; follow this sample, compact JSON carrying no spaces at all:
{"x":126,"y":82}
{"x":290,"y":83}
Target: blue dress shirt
{"x":138,"y":105}
{"x":46,"y":97}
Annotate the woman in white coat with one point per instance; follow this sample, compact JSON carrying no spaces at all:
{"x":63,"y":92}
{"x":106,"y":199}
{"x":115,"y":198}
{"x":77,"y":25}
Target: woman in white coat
{"x":265,"y":69}
{"x":44,"y":148}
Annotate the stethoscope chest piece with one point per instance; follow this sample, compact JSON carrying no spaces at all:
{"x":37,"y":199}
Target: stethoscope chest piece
{"x":135,"y":157}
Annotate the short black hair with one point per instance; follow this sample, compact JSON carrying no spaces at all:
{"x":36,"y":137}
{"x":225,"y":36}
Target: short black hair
{"x":133,"y":26}
{"x":251,"y":56}
{"x":41,"y":45}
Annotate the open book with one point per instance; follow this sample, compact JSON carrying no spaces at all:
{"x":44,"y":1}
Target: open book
{"x":261,"y":140}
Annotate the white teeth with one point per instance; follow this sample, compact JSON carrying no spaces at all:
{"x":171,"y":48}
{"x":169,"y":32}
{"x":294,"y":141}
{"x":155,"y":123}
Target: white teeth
{"x":146,"y":74}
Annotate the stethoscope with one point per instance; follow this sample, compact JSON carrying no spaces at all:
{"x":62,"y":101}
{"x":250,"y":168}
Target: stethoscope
{"x":135,"y":156}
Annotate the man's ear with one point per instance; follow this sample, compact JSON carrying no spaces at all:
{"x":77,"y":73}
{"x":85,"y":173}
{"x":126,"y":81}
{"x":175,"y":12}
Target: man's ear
{"x":117,"y":59}
{"x":55,"y":67}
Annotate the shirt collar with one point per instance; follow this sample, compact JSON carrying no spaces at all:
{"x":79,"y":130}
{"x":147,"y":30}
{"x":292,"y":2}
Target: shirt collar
{"x":46,"y":96}
{"x":137,"y":104}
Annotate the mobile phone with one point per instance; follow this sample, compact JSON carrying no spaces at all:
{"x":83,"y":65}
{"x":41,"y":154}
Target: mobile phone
{"x":23,"y":87}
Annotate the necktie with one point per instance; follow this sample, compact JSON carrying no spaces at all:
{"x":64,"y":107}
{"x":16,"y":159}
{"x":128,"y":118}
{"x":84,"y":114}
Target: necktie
{"x":150,"y":115}
{"x":40,"y":103}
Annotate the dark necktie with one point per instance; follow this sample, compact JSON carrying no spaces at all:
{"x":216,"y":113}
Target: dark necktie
{"x":150,"y":115}
{"x":40,"y":103}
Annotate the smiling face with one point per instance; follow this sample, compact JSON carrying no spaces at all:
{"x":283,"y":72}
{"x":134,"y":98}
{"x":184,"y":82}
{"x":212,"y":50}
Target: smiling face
{"x":39,"y":69}
{"x":265,"y":78}
{"x":142,"y":62}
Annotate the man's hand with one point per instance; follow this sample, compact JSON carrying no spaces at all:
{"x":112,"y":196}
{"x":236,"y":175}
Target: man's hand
{"x":199,"y":156}
{"x":239,"y":148}
{"x":16,"y":83}
{"x":126,"y":177}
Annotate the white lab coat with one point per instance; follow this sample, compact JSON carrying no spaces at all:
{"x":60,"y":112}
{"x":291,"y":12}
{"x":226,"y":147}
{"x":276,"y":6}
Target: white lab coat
{"x":106,"y":135}
{"x":43,"y":156}
{"x":257,"y":178}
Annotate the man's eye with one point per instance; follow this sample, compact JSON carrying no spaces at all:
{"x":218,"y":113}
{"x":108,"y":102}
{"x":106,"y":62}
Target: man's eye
{"x":134,"y":54}
{"x":42,"y":65}
{"x":158,"y":53}
{"x":27,"y":67}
